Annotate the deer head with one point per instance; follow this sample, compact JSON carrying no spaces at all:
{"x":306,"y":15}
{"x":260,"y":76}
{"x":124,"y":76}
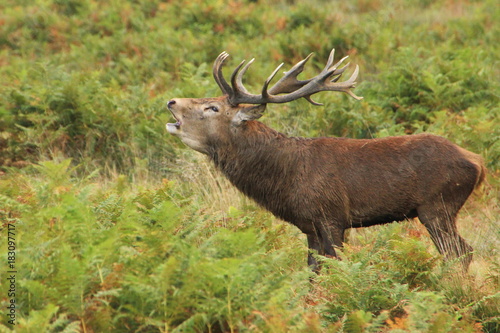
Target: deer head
{"x":205,"y":122}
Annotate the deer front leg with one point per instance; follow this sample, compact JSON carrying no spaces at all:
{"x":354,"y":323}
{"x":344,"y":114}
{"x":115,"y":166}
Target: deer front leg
{"x":332,"y":236}
{"x":315,"y":245}
{"x":323,"y":242}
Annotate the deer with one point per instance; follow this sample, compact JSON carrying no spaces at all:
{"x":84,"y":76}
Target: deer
{"x":327,"y":185}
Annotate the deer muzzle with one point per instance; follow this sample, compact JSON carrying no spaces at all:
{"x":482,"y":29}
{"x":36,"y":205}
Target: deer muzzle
{"x":173,"y":128}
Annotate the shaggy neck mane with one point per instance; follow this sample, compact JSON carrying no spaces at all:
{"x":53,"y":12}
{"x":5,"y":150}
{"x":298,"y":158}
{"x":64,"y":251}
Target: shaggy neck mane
{"x":256,"y":159}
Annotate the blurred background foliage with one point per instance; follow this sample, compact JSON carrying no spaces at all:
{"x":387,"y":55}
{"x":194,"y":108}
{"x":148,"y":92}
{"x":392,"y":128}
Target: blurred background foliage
{"x":120,"y":228}
{"x":89,"y":79}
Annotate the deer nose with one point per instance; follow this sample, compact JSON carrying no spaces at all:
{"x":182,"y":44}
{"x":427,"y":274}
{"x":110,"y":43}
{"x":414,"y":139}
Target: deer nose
{"x":170,"y":103}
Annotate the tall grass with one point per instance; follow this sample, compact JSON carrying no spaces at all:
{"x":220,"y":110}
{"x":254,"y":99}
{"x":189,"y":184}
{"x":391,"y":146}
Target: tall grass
{"x":135,"y":257}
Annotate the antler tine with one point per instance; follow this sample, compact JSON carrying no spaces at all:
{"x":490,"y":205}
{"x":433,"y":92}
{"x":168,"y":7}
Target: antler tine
{"x":329,"y":61}
{"x":327,"y":72}
{"x":310,"y":100}
{"x":346,"y":85}
{"x":289,"y":82}
{"x":351,"y":82}
{"x":238,"y":82}
{"x":265,"y":93}
{"x":217,"y":72}
{"x":334,"y":67}
{"x":234,"y":76}
{"x":333,"y":70}
{"x":338,"y":72}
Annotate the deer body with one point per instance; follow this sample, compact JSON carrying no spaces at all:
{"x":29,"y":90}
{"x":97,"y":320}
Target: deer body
{"x":327,"y":185}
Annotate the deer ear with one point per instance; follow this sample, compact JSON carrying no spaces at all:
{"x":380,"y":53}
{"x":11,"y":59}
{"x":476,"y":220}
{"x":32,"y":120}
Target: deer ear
{"x":248,"y":112}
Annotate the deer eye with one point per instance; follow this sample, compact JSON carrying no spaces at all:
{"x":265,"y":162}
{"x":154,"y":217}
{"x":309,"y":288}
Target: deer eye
{"x":213,"y":108}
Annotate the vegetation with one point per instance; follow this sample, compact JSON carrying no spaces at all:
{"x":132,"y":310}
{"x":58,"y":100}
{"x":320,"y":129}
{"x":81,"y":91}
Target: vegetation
{"x":120,"y":228}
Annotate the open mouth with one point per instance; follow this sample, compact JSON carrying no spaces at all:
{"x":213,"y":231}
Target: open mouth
{"x":178,"y":122}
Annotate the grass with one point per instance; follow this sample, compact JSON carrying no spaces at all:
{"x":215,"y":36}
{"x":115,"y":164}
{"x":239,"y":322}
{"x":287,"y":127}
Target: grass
{"x":121,"y":228}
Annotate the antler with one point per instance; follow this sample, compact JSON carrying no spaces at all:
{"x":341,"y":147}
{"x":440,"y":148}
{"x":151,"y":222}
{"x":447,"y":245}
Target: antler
{"x":289,"y":85}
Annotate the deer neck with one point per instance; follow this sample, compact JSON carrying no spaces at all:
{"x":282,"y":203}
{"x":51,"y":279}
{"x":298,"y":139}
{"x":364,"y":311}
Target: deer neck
{"x":259,"y":161}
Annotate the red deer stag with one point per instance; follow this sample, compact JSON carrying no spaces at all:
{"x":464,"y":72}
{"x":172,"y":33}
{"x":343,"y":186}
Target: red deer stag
{"x":327,"y":185}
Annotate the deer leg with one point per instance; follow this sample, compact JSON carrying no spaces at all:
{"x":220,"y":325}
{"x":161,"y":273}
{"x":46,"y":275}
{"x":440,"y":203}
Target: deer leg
{"x":323,"y":242}
{"x":314,"y":243}
{"x":332,"y":237}
{"x":440,"y":221}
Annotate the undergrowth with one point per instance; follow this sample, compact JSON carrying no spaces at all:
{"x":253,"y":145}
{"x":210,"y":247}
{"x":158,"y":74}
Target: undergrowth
{"x":125,"y":257}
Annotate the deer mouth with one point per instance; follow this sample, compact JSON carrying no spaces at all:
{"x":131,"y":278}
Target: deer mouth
{"x":174,"y":127}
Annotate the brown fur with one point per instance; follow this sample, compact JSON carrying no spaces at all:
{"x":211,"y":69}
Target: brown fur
{"x":327,"y":185}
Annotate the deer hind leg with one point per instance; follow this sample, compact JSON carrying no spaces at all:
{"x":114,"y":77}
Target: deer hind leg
{"x":440,"y":220}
